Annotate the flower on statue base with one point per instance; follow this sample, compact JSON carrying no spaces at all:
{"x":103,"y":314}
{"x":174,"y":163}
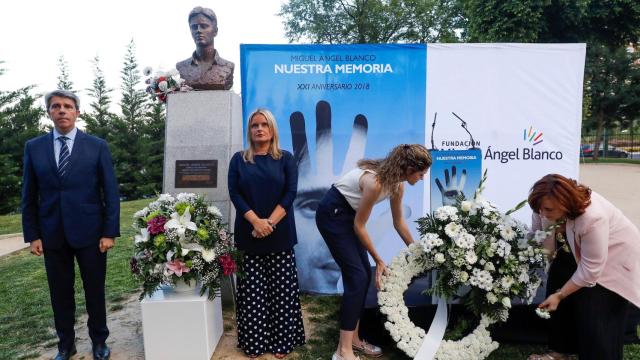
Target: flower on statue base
{"x":163,"y":83}
{"x":179,"y":238}
{"x":228,"y":265}
{"x":156,"y":225}
{"x":181,"y":223}
{"x":142,"y":237}
{"x":208,"y":255}
{"x":177,"y":267}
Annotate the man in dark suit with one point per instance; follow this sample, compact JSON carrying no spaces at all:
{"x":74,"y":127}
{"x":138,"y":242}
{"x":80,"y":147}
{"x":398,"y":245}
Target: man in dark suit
{"x":71,"y":209}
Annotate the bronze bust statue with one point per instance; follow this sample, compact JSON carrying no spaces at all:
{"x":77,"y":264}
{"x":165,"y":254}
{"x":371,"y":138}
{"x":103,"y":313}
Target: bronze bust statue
{"x":205,"y":69}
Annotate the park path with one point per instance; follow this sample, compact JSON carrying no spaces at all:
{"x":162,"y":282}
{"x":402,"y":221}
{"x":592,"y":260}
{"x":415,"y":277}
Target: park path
{"x":10,"y":243}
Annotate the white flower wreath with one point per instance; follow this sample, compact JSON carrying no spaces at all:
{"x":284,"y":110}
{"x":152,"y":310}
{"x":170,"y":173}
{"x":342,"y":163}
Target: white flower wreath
{"x":404,"y":267}
{"x":471,"y":245}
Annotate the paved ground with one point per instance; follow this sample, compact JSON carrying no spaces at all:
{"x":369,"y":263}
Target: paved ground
{"x":10,"y":243}
{"x":619,"y":183}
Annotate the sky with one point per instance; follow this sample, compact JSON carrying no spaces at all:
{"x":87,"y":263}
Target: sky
{"x":35,"y":33}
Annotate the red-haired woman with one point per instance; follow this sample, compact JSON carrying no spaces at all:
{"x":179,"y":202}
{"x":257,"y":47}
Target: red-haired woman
{"x":595,"y":271}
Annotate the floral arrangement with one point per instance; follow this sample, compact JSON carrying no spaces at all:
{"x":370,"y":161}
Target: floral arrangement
{"x":483,"y":257}
{"x":182,"y":239}
{"x":162,"y":83}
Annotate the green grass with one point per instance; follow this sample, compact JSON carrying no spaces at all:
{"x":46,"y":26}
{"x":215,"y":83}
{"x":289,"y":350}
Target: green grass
{"x":10,"y":224}
{"x":25,"y":308}
{"x":609,"y":161}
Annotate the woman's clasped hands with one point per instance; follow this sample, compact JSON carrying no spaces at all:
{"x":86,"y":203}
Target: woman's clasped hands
{"x":261,"y":228}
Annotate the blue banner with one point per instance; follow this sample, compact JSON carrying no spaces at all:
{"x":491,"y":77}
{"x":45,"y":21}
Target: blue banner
{"x":454,"y":173}
{"x":335,"y":104}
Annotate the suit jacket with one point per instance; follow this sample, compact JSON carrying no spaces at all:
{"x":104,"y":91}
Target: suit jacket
{"x":606,"y":246}
{"x":80,"y":207}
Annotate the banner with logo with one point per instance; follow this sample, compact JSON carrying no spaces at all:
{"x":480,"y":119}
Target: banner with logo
{"x":335,"y":104}
{"x":521,"y":104}
{"x":454,"y":173}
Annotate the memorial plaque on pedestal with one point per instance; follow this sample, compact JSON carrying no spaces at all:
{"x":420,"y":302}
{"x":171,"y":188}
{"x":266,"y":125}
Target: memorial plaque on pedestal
{"x":196,"y":174}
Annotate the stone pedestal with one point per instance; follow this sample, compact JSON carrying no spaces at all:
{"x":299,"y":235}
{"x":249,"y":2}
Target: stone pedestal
{"x":203,"y":125}
{"x":180,"y":325}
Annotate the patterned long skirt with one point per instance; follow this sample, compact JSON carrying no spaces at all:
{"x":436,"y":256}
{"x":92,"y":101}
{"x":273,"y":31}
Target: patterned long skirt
{"x":268,"y":312}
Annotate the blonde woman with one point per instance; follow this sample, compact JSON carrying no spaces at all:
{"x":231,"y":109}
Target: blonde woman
{"x":262,"y":185}
{"x":342,"y":216}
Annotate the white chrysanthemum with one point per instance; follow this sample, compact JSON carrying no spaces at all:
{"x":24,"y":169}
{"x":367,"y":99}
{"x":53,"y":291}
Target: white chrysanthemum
{"x":214,"y":211}
{"x":471,"y":257}
{"x":446,"y":213}
{"x":507,"y":233}
{"x":504,"y":249}
{"x":506,"y":282}
{"x":465,"y":240}
{"x":481,"y":279}
{"x":453,"y":229}
{"x":166,"y":198}
{"x":186,"y":197}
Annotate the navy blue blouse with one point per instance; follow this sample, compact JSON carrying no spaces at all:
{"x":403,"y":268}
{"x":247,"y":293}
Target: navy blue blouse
{"x":260,"y":187}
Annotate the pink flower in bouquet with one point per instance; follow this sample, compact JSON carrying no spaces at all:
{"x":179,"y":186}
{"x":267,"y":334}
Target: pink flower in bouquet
{"x":177,"y":267}
{"x":156,"y":225}
{"x":227,"y":263}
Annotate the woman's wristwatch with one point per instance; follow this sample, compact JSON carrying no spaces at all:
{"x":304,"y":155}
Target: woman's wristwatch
{"x":273,"y":226}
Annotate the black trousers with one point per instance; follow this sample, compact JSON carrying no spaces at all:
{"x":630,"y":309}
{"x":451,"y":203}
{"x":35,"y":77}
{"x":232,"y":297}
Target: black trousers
{"x":590,"y":322}
{"x":59,"y":264}
{"x":334,"y":218}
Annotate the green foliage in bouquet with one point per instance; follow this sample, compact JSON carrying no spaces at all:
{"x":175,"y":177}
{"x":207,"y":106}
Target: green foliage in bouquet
{"x":182,"y":239}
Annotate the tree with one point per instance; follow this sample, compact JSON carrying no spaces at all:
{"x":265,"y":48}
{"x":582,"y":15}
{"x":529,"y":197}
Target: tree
{"x":64,"y":82}
{"x":495,"y":20}
{"x":152,"y":150}
{"x":370,"y":21}
{"x":99,"y":119}
{"x":611,"y":87}
{"x":612,"y":80}
{"x":125,"y":141}
{"x":19,"y":121}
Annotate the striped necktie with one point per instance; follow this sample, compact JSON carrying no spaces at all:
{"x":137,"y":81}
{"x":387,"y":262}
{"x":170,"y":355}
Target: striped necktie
{"x":63,"y":160}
